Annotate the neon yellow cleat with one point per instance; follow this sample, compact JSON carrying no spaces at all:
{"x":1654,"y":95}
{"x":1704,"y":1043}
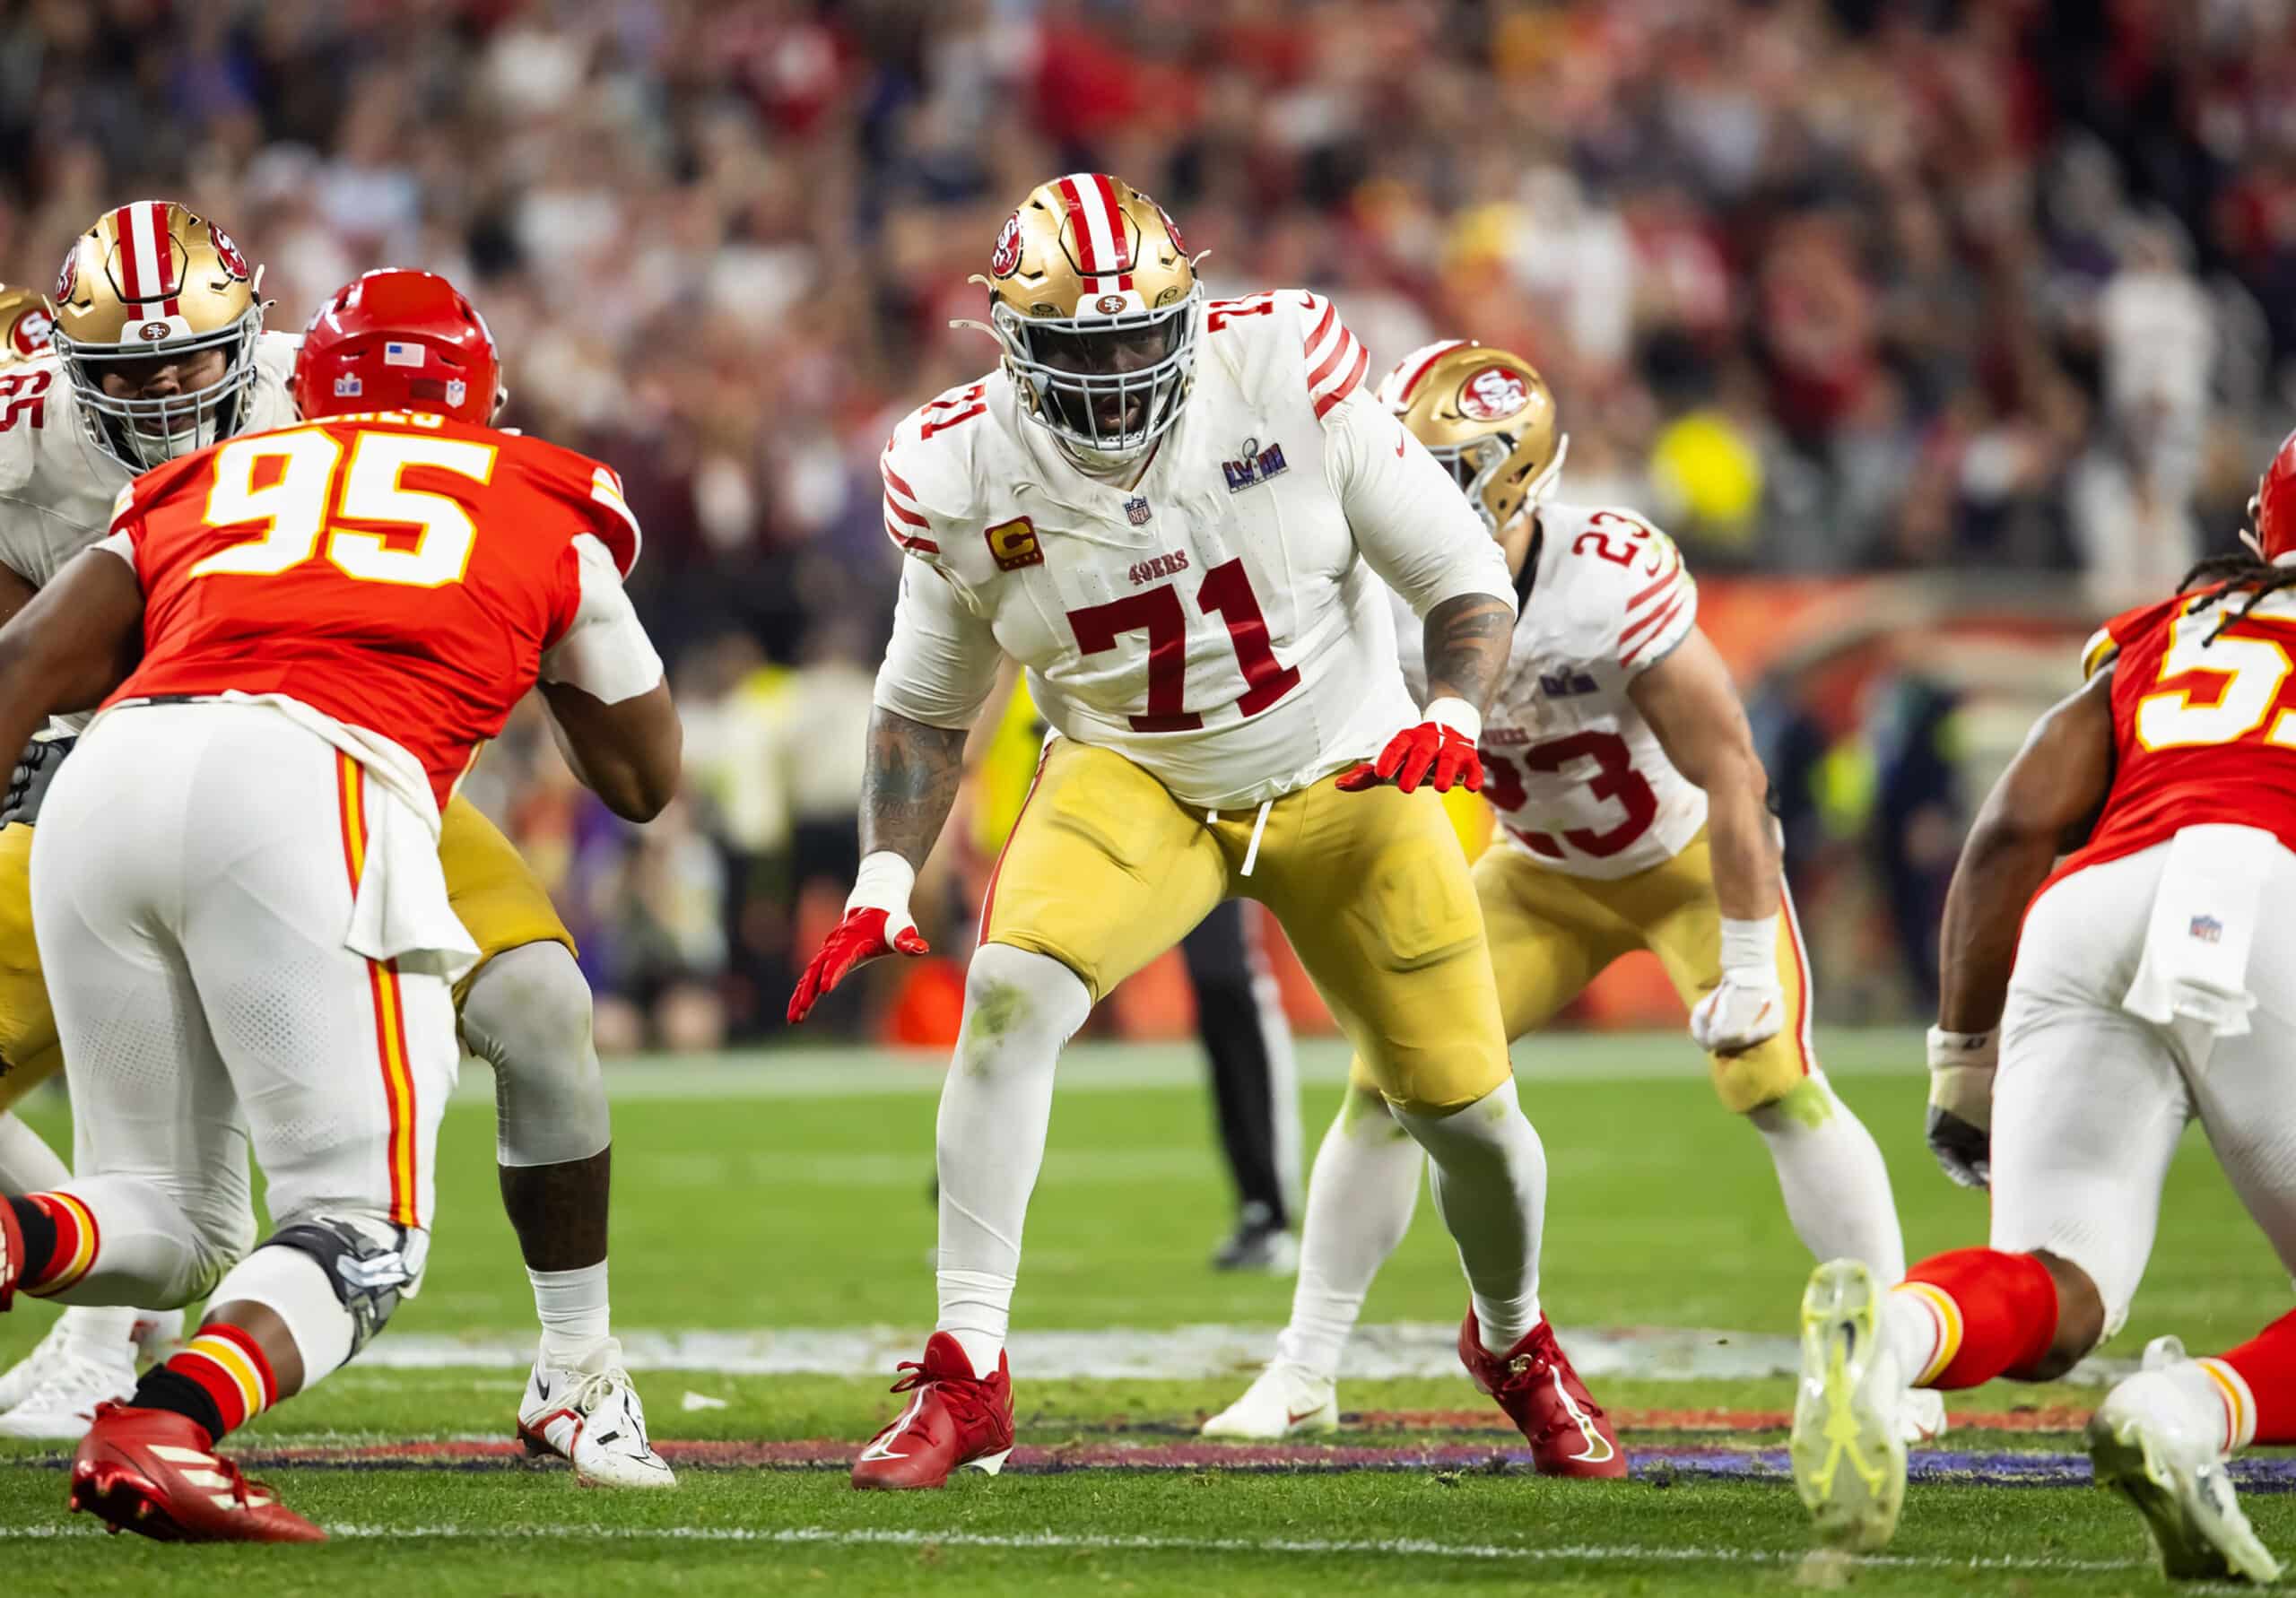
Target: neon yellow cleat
{"x":1849,"y":1443}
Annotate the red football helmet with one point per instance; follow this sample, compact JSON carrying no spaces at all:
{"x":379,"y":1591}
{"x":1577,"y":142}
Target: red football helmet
{"x":397,"y":340}
{"x":2274,"y":509}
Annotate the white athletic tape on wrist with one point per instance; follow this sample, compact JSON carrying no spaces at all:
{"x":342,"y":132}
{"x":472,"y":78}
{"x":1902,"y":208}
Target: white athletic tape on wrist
{"x":1949,"y":1051}
{"x":883,"y":883}
{"x":1456,"y":714}
{"x":1750,"y":945}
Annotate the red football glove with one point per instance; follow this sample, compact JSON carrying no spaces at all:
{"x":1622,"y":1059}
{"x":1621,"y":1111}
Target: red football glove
{"x":1439,"y":751}
{"x":876,"y":923}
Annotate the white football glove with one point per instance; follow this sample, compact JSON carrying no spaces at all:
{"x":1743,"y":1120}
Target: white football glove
{"x":1960,"y":1126}
{"x":1748,"y":1006}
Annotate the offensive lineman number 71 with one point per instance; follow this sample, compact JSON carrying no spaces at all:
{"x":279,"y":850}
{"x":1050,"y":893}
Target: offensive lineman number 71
{"x":310,"y":476}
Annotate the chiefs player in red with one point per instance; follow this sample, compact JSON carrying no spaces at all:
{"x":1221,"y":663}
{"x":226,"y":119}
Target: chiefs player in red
{"x":2091,"y":1008}
{"x":237,"y":878}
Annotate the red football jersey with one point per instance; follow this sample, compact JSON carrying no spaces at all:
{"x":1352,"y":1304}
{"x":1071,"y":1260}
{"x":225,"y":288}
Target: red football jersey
{"x":2201,"y":732}
{"x":399,"y":572}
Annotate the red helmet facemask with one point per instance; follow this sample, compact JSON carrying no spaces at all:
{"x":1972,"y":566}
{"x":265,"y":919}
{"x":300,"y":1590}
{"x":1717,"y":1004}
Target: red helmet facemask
{"x":399,"y":340}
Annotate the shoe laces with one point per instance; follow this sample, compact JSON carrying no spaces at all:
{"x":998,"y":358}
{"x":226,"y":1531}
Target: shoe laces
{"x":965,"y":1397}
{"x":596,"y":1388}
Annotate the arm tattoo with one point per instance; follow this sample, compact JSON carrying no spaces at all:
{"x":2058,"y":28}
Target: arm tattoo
{"x":909,"y":785}
{"x":1467,"y":640}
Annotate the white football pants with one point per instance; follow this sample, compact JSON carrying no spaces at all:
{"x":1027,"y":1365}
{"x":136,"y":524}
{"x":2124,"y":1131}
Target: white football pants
{"x":2090,"y":1100}
{"x":192,"y":887}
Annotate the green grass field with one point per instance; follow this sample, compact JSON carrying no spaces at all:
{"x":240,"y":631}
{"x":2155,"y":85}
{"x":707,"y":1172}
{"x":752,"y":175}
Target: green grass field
{"x":787,"y":1196}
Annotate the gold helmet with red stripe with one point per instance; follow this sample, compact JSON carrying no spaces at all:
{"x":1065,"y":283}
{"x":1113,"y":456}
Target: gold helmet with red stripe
{"x":1487,"y":415}
{"x":149,"y":282}
{"x":1094,"y":299}
{"x":24,"y":324}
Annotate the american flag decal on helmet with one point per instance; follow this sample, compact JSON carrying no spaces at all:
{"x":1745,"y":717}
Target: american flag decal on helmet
{"x":398,"y":354}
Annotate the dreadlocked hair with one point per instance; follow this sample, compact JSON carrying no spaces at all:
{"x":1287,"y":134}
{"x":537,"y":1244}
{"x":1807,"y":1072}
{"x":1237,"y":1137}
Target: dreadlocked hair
{"x":2236,"y":573}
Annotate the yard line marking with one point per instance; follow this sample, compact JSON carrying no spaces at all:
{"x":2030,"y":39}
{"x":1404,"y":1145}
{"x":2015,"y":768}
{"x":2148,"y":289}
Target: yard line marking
{"x":1172,"y":1353}
{"x":1110,"y":1542}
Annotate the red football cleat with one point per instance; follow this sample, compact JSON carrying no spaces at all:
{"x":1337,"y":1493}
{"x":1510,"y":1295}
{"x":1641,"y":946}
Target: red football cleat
{"x":955,"y":1418}
{"x":154,"y":1472}
{"x":1534,"y":1383}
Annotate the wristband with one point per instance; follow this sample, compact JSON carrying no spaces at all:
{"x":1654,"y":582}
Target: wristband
{"x":882,"y":884}
{"x":1748,"y":945}
{"x":1458,"y":715}
{"x":1950,"y":1050}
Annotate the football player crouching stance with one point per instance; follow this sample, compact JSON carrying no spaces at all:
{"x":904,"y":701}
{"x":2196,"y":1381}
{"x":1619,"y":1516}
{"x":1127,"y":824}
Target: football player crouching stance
{"x":1633,"y":814}
{"x":1182,"y":517}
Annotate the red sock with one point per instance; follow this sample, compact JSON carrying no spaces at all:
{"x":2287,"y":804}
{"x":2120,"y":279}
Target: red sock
{"x":228,"y":1367}
{"x":2266,"y":1362}
{"x":74,"y":1249}
{"x":1996,"y":1315}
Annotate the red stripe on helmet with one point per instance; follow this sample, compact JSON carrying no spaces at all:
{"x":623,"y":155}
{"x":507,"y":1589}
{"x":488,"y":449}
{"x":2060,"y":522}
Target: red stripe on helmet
{"x":123,"y":227}
{"x":1435,"y":352}
{"x":1123,"y":261}
{"x":1086,"y":262}
{"x":163,"y":248}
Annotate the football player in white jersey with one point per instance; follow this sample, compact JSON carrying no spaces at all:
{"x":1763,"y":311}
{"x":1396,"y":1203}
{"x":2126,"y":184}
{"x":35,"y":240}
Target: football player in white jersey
{"x":1633,"y":814}
{"x":161,"y":350}
{"x":1176,"y":515}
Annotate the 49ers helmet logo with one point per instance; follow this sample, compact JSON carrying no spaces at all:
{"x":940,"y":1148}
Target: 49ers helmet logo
{"x":1006,"y":259}
{"x":31,"y":334}
{"x":227,"y":251}
{"x":1172,"y":228}
{"x":1493,"y":394}
{"x":67,"y":276}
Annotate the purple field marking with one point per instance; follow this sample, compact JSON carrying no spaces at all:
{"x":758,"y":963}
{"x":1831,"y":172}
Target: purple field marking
{"x":2274,"y":1472}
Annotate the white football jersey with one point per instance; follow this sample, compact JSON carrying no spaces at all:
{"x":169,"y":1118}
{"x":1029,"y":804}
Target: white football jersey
{"x":57,"y":489}
{"x":1222,"y":620}
{"x":1576,"y":776}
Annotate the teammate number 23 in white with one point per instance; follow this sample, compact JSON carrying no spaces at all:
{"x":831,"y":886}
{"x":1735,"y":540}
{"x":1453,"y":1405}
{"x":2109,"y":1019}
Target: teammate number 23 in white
{"x":296,"y":484}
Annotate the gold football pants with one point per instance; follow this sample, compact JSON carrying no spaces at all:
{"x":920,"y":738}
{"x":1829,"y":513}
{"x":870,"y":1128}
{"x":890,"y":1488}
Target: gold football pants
{"x":1552,"y":933}
{"x":1105,"y":870}
{"x":501,"y":903}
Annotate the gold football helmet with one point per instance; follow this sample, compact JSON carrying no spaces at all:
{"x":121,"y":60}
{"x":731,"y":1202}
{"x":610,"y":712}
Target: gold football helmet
{"x":1488,"y":416}
{"x":24,"y":324}
{"x":153,"y":279}
{"x":1095,"y":301}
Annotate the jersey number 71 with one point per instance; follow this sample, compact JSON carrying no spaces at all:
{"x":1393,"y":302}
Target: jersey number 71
{"x":1226,"y":592}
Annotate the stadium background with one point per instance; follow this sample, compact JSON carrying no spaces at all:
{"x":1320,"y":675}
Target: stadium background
{"x":1934,"y":331}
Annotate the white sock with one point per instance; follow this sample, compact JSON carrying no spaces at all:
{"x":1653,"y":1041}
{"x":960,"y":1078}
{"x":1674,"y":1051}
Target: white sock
{"x":106,"y":1334}
{"x":1020,"y":1010}
{"x":294,"y":1286}
{"x":1912,"y":1330}
{"x":572,"y":1307}
{"x":2222,"y":1407}
{"x":27,"y":1164}
{"x":1837,"y":1189}
{"x":1490,"y":1186}
{"x":1360,"y":1198}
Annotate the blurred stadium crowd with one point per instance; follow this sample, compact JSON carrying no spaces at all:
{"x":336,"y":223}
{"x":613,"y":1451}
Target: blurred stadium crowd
{"x":1828,"y":286}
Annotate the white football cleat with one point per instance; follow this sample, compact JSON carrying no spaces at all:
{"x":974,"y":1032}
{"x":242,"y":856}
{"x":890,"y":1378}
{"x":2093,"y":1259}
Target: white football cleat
{"x":1286,"y":1400}
{"x":62,"y":1406}
{"x":1922,"y":1416}
{"x":590,"y":1416}
{"x":1848,"y":1441}
{"x":2148,"y":1442}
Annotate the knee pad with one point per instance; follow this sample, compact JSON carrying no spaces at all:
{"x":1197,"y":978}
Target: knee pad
{"x":370,"y":1264}
{"x":528,"y":1014}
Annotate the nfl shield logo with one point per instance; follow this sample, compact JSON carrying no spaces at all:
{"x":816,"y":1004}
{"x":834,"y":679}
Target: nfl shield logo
{"x":2208,"y":929}
{"x":1136,"y":508}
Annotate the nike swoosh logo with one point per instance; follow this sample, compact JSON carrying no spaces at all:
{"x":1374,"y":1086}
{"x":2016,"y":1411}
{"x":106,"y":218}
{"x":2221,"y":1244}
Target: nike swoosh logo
{"x":1398,"y":448}
{"x":1291,"y":1419}
{"x":881,"y":1448}
{"x":1594,"y":1440}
